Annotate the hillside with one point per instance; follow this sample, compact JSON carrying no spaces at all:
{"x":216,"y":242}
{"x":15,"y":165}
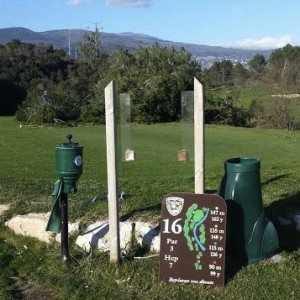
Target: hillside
{"x":205,"y":54}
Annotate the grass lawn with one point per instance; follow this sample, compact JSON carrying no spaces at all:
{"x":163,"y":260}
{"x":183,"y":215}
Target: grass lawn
{"x":27,"y":175}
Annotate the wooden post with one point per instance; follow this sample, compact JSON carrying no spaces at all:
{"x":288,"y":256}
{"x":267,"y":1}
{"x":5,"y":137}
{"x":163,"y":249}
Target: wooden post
{"x":199,"y":136}
{"x":112,"y":174}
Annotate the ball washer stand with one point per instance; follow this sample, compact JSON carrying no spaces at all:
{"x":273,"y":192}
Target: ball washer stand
{"x":69,"y":167}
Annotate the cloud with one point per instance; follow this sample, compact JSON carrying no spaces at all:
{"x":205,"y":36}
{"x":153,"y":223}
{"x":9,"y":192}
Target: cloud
{"x":267,"y":42}
{"x":136,"y":3}
{"x":76,"y":2}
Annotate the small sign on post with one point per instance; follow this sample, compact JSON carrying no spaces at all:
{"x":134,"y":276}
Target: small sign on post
{"x":193,"y":238}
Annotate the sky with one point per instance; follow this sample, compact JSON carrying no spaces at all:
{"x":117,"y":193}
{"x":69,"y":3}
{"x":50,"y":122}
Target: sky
{"x":251,"y":24}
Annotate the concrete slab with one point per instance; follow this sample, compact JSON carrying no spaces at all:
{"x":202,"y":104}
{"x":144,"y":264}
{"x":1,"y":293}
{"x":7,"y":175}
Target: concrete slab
{"x":97,"y":236}
{"x":34,"y":224}
{"x":4,"y":208}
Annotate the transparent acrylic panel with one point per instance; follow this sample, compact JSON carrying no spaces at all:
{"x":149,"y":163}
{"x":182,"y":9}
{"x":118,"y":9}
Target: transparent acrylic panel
{"x":187,"y":123}
{"x":124,"y":122}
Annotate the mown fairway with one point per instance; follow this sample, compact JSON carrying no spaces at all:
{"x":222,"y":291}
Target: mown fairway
{"x":26,"y":179}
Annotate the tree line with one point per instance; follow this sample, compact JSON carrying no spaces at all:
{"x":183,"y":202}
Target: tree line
{"x":282,"y":67}
{"x":41,"y":84}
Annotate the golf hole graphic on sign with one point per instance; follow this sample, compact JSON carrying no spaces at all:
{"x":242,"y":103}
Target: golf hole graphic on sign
{"x":193,"y":238}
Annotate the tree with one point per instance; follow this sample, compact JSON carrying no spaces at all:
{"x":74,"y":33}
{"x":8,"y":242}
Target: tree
{"x":284,"y":65}
{"x":219,"y":74}
{"x":153,"y":76}
{"x":10,"y":97}
{"x":24,"y":66}
{"x":222,"y":107}
{"x":240,"y":74}
{"x":277,"y":113}
{"x":57,"y":104}
{"x":155,"y":81}
{"x":91,"y":50}
{"x":257,"y":66}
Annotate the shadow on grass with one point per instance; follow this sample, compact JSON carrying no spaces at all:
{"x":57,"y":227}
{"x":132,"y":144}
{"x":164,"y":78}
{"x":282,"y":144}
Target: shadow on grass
{"x":273,"y":179}
{"x":236,"y":257}
{"x":285,"y":215}
{"x":152,"y":208}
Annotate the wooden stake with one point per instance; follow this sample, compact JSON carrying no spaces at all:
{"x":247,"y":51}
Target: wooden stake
{"x":112,"y":174}
{"x":199,"y":136}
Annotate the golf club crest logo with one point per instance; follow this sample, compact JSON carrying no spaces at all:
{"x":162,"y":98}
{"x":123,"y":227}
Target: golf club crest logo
{"x":174,"y":205}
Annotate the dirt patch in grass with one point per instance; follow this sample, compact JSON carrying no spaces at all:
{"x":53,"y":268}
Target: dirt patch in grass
{"x":29,"y":290}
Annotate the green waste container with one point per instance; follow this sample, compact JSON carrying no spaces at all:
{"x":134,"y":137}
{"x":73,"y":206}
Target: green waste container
{"x":251,"y":236}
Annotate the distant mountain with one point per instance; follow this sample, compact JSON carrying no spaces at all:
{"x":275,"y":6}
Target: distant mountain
{"x":205,"y":54}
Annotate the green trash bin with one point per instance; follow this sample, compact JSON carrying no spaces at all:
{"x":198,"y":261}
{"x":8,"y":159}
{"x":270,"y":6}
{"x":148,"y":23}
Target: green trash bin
{"x":251,"y":236}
